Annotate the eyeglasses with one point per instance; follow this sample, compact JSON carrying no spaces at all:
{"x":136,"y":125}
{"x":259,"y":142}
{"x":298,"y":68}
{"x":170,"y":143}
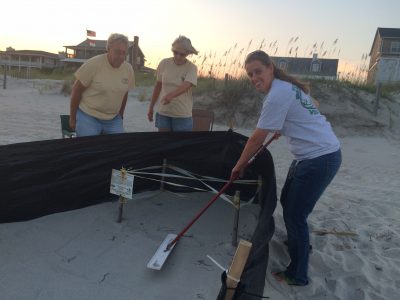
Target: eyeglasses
{"x":176,"y":53}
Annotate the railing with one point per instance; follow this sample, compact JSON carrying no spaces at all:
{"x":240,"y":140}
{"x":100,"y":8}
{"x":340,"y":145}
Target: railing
{"x":26,"y":64}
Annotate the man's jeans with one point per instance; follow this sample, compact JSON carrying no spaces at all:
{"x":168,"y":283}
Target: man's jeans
{"x":87,"y":125}
{"x":305,"y":183}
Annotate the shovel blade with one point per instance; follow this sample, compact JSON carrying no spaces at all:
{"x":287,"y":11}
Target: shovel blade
{"x":159,"y":258}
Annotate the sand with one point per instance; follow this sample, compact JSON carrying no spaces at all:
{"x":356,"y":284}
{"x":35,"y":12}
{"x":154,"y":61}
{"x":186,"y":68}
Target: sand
{"x":85,"y":254}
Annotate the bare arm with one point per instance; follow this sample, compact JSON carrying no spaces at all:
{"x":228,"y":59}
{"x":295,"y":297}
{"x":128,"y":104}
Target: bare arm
{"x":253,"y":143}
{"x":123,"y":104}
{"x":76,"y":96}
{"x":154,"y":98}
{"x":184,"y":87}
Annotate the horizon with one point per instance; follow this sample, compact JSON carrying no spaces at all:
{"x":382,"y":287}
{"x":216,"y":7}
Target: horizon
{"x":214,"y":27}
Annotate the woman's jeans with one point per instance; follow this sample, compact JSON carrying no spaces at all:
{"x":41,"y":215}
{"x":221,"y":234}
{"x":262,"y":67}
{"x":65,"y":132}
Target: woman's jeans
{"x":87,"y":125}
{"x":174,"y":124}
{"x":305,"y":183}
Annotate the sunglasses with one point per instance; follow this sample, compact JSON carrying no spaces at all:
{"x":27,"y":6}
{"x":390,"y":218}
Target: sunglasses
{"x":176,"y":53}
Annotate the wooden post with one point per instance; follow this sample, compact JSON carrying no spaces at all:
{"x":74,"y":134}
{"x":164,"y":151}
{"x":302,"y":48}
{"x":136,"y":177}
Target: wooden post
{"x":120,"y":208}
{"x":164,"y":168}
{"x":135,"y":53}
{"x":226,"y":79}
{"x":121,"y":199}
{"x":236,"y":202}
{"x":378,"y":95}
{"x":5,"y":77}
{"x":236,"y":269}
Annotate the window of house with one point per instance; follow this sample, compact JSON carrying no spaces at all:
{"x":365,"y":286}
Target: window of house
{"x":283,"y":64}
{"x":315,"y":67}
{"x":395,"y":47}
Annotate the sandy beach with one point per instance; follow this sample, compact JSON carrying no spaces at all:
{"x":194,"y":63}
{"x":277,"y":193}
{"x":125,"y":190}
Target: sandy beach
{"x":85,"y":254}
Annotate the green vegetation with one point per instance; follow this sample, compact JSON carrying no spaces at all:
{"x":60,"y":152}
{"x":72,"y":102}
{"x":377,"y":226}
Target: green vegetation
{"x":317,"y":85}
{"x":230,"y":86}
{"x":389,"y":89}
{"x":386,"y":91}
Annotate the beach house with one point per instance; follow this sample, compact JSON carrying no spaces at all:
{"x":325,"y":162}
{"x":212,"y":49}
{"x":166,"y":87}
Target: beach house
{"x":311,"y":67}
{"x":384,"y":65}
{"x":28,"y":59}
{"x":77,"y":55}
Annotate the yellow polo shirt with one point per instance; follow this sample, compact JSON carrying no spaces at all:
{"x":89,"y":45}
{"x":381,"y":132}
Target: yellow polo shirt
{"x":105,"y":86}
{"x":172,"y":76}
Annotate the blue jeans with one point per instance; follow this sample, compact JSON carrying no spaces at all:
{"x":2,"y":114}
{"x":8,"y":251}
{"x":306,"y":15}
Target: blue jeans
{"x":305,"y":183}
{"x":87,"y":125}
{"x":174,"y":124}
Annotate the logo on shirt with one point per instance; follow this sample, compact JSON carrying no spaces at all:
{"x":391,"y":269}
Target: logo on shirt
{"x":125,"y":81}
{"x":306,"y":102}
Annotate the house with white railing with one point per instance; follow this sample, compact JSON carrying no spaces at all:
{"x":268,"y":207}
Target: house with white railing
{"x":384,"y":65}
{"x":28,"y":59}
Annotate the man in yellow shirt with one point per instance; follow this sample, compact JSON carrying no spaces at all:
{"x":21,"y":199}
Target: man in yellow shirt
{"x":100,"y":91}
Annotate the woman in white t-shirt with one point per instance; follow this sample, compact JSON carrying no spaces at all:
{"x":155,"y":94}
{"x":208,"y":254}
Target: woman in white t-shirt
{"x":289,"y":110}
{"x":175,"y":78}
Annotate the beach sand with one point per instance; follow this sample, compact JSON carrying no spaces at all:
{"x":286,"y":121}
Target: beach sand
{"x":85,"y":254}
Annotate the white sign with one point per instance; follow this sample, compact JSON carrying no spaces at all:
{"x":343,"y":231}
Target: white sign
{"x":121,"y":183}
{"x":388,"y":70}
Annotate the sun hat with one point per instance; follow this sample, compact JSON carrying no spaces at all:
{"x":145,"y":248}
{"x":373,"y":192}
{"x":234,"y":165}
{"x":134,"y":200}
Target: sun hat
{"x":184,"y":45}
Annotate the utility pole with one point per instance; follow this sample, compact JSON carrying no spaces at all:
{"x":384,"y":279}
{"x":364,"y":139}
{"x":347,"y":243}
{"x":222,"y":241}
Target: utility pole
{"x":378,"y":95}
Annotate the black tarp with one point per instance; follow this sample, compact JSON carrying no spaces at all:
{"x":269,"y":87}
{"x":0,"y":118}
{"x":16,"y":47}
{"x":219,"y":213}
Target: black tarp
{"x":39,"y":178}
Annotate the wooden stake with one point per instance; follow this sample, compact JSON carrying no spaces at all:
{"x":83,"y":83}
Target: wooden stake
{"x":259,"y":189}
{"x":236,"y":202}
{"x":121,"y":199}
{"x":236,"y":268}
{"x":120,"y":208}
{"x":164,"y":168}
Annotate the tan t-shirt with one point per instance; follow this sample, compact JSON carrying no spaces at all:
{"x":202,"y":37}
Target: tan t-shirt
{"x":172,"y":76}
{"x":105,"y":86}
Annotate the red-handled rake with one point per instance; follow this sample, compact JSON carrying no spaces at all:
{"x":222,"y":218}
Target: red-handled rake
{"x":162,"y":253}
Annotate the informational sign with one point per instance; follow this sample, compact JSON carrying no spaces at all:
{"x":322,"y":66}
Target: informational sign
{"x":388,"y":70}
{"x":121,"y":183}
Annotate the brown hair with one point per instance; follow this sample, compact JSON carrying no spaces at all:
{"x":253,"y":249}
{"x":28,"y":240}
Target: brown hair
{"x":264,"y":58}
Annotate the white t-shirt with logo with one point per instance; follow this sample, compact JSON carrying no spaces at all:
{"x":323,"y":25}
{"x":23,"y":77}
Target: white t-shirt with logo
{"x":292,"y":113}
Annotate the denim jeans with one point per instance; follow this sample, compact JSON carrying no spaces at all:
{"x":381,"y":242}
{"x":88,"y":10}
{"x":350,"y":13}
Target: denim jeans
{"x":87,"y":125}
{"x":305,"y":183}
{"x":174,"y":124}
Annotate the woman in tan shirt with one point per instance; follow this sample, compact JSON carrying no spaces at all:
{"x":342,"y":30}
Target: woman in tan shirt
{"x":175,"y":77}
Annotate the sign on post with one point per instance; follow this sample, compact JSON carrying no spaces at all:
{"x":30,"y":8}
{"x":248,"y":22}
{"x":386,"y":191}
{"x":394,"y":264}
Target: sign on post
{"x":121,"y":183}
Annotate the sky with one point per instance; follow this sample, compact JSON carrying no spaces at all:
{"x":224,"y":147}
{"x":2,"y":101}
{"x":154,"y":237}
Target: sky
{"x":214,"y":26}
